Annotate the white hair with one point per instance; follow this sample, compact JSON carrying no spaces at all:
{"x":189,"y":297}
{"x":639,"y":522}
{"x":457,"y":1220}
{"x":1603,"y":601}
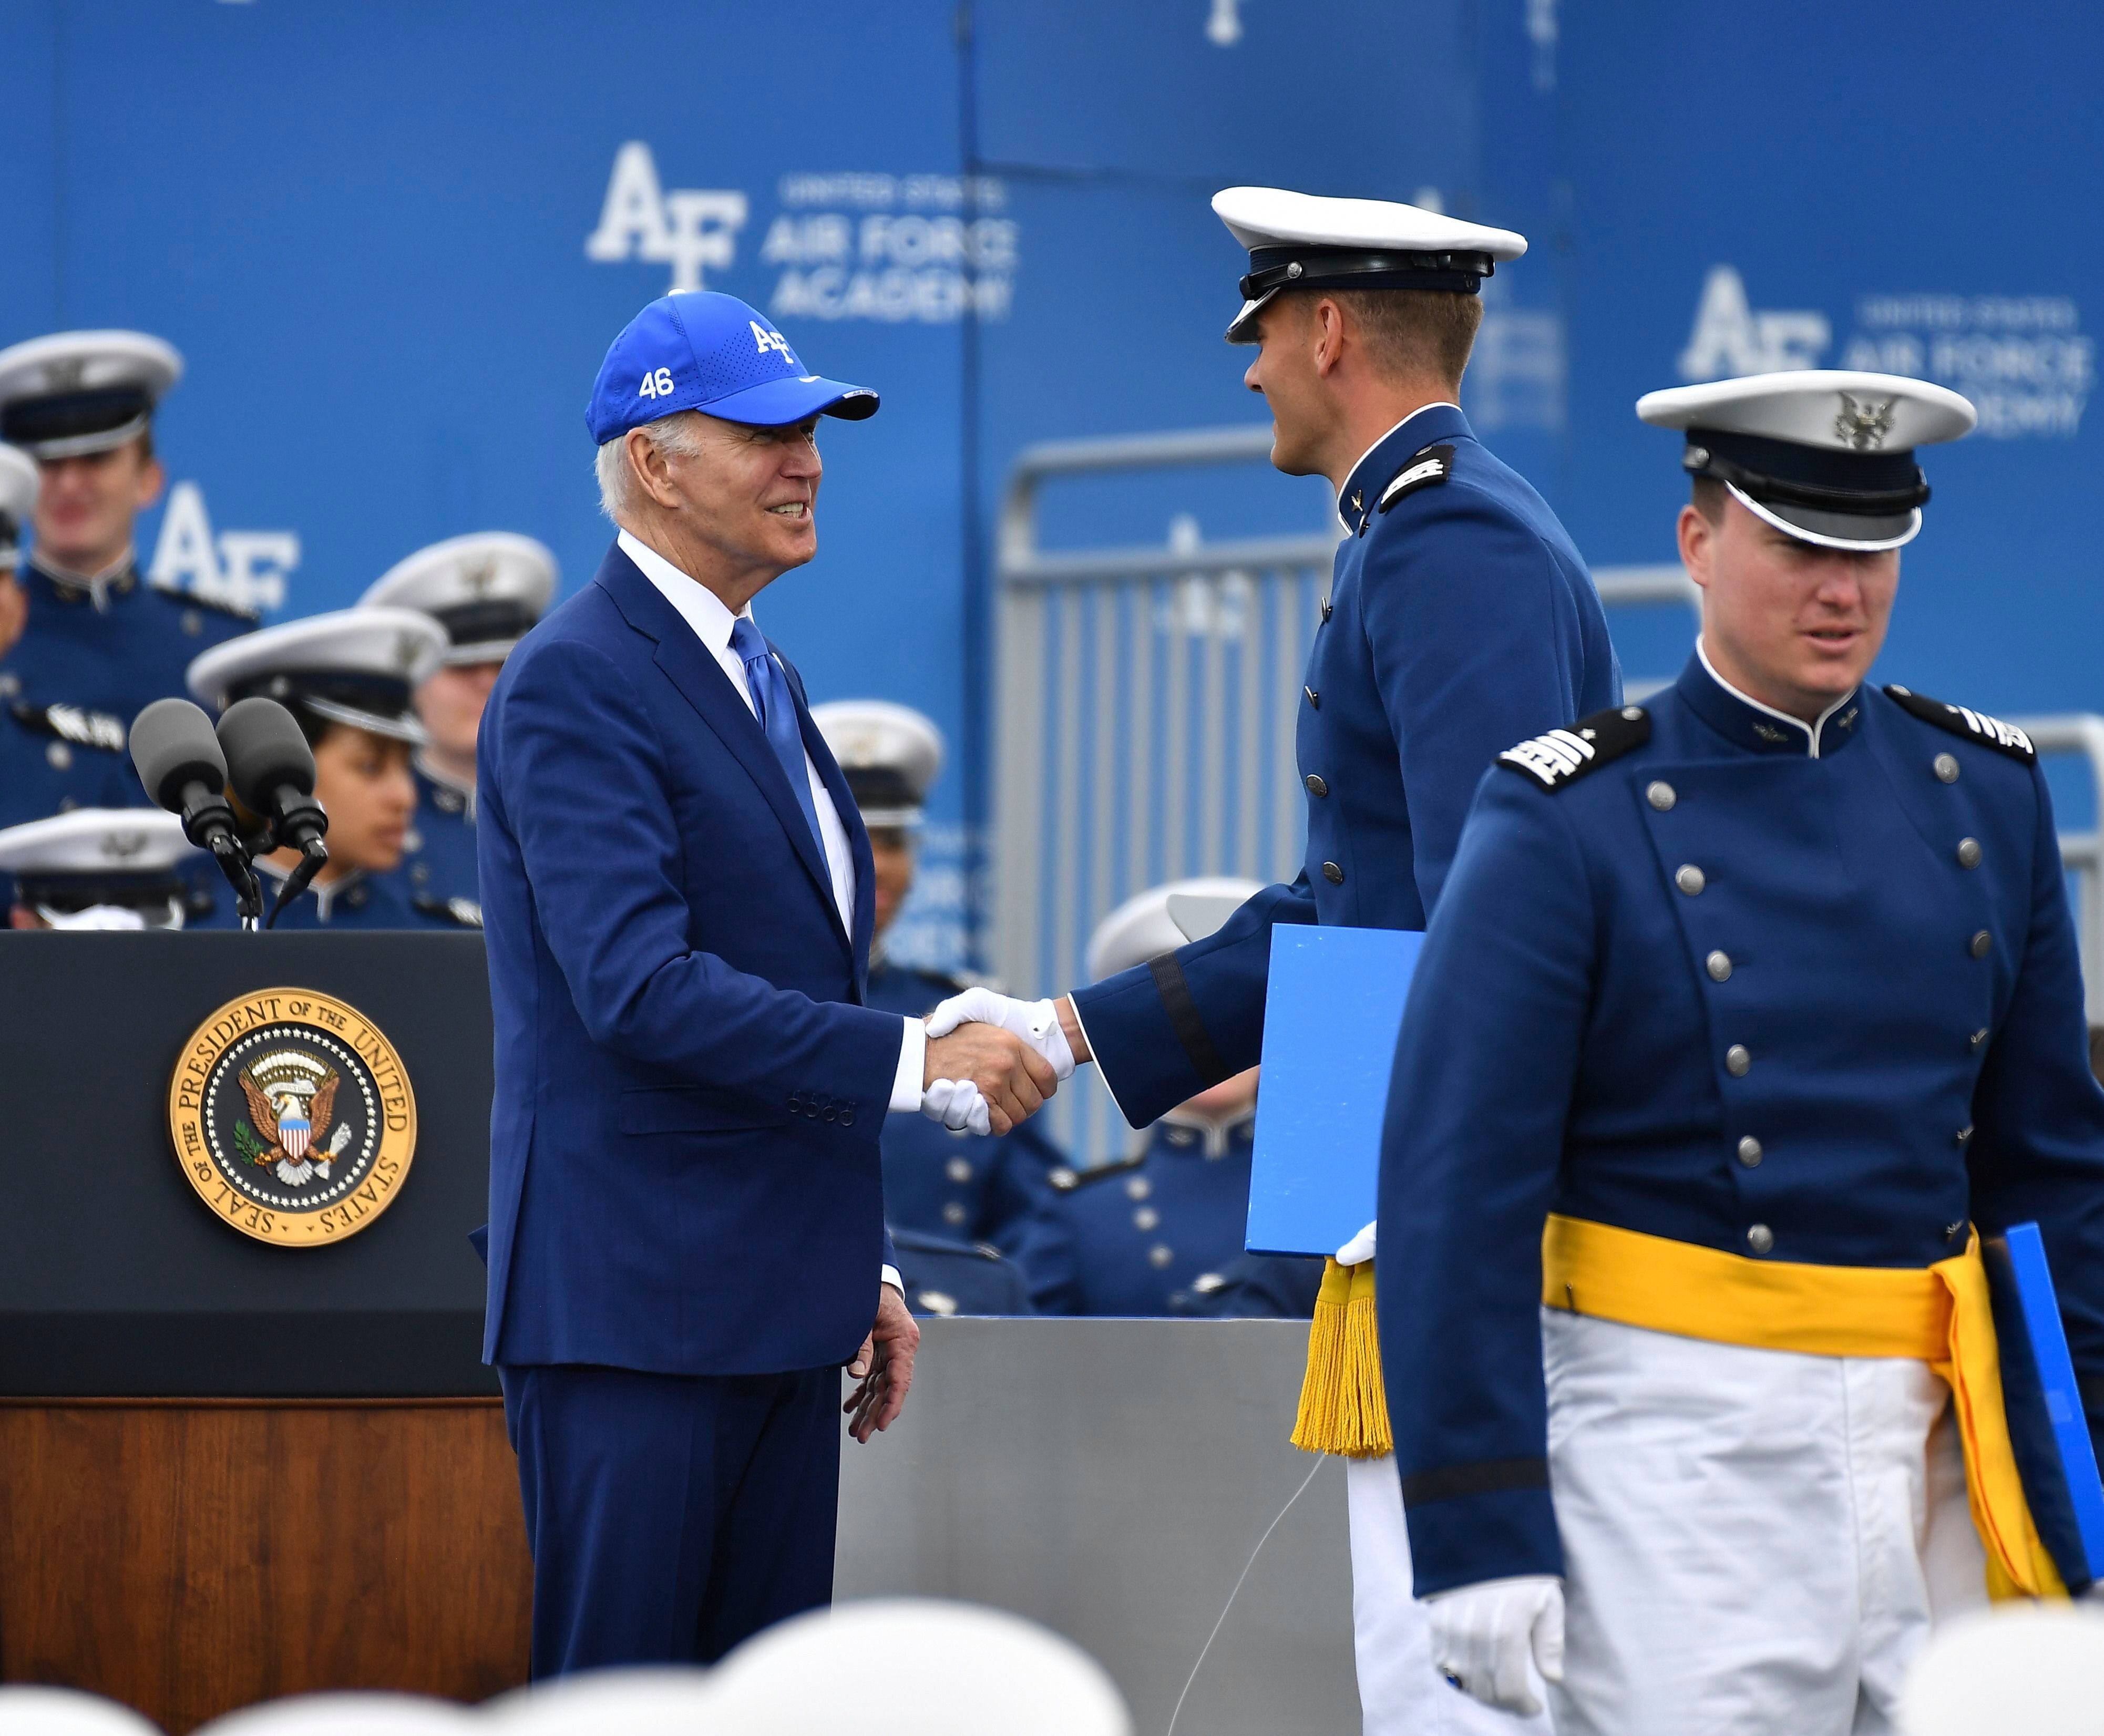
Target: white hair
{"x":678,"y":435}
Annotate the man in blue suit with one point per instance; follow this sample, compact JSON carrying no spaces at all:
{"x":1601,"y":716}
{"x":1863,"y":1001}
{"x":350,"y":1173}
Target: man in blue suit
{"x":686,"y":1238}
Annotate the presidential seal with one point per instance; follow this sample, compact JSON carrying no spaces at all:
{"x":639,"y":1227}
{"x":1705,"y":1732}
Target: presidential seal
{"x":292,"y":1117}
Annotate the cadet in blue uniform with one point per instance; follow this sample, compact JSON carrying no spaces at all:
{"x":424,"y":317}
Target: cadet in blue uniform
{"x":960,"y":1187}
{"x":939,"y":1275}
{"x":99,"y":643}
{"x":1460,"y":619}
{"x":347,"y":677}
{"x":486,"y":590}
{"x":97,"y":869}
{"x":1764,"y":999}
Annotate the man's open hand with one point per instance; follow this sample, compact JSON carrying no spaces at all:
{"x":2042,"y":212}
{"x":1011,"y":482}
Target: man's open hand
{"x":883,"y":1367}
{"x":1011,"y":1078}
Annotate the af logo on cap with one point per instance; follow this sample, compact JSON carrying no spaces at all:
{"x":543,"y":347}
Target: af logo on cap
{"x":292,"y":1118}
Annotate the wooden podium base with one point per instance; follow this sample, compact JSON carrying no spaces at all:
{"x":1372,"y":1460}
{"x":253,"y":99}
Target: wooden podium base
{"x":190,"y":1556}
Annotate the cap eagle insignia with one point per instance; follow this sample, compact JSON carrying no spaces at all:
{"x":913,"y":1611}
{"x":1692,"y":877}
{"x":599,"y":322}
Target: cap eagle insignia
{"x":1863,"y":425}
{"x":291,"y":1102}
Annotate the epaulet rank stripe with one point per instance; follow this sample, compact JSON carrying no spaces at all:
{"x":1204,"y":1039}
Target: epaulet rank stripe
{"x":1559,"y":758}
{"x":1962,"y":721}
{"x":196,"y":599}
{"x":1427,"y":468}
{"x":73,"y":723}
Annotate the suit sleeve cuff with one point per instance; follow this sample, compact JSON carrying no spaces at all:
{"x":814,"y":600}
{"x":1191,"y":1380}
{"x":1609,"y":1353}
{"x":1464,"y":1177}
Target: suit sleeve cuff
{"x":913,"y":1066}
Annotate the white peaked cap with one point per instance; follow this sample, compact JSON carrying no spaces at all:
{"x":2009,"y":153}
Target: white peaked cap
{"x":1162,"y":918}
{"x":19,"y":481}
{"x":95,"y":842}
{"x":486,"y":590}
{"x":356,"y":666}
{"x":890,"y":755}
{"x":76,"y":392}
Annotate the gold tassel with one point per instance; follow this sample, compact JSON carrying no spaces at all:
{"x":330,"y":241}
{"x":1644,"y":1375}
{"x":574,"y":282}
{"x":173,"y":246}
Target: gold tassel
{"x":1344,"y":1405}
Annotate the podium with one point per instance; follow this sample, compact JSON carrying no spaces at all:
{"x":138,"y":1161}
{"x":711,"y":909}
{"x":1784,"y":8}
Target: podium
{"x":232,"y":1468}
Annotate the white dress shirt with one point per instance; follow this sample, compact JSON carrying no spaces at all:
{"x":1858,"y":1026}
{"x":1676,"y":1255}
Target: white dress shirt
{"x":704,"y":610}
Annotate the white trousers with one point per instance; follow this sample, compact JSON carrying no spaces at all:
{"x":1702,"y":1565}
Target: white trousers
{"x":1753,"y":1540}
{"x":1400,"y":1692}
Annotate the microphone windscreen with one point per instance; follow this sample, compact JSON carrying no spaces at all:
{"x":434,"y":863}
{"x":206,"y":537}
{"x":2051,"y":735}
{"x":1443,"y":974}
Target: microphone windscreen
{"x":264,"y":751}
{"x":173,"y":747}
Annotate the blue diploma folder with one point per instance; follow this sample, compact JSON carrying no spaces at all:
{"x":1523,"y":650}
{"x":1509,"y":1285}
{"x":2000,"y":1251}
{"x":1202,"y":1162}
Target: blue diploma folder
{"x":2055,"y":1456}
{"x":1331,"y":1017}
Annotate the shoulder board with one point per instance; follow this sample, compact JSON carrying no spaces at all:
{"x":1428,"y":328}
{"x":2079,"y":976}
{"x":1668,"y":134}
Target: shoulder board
{"x":1096,"y":1172}
{"x":1427,"y":468}
{"x":462,"y":913}
{"x":1972,"y":725}
{"x":1561,"y":757}
{"x":73,"y":723}
{"x":191,"y":599}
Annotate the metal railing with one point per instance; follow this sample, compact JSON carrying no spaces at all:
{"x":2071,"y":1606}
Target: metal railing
{"x":1144,"y":730}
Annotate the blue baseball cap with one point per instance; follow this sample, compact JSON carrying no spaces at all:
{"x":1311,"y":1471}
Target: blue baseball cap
{"x":703,"y":351}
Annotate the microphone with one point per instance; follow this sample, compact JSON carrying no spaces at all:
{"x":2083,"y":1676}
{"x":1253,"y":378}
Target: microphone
{"x":271,"y":769}
{"x":179,"y":761}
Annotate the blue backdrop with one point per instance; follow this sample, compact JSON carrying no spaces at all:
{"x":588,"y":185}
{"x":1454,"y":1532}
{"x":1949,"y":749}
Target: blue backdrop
{"x":393,"y":239}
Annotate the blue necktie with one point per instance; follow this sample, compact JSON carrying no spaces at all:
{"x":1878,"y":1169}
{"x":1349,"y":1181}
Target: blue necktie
{"x":777,"y":717}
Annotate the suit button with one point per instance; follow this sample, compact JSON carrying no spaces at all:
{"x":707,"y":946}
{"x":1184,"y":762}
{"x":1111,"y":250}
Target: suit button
{"x":796,"y":1104}
{"x":1749,"y":1152}
{"x":1968,"y":852}
{"x":1660,"y":795}
{"x":1736,"y":1061}
{"x":831,"y":1113}
{"x":1760,"y":1239}
{"x":1718,"y":964}
{"x":1314,"y":698}
{"x":1315,"y":784}
{"x":1978,"y":1037}
{"x":1333,"y":874}
{"x":1690,"y":879}
{"x":847,"y":1118}
{"x":1327,"y":606}
{"x":1983,"y":943}
{"x":1946,"y":769}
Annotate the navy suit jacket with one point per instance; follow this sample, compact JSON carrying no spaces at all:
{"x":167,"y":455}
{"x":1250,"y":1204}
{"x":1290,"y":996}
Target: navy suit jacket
{"x":684,"y":1166}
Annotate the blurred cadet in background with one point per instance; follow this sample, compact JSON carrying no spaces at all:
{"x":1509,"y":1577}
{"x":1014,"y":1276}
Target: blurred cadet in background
{"x":959,"y":1192}
{"x":1160,"y":1232}
{"x":486,"y":590}
{"x":347,"y":677}
{"x":97,"y":868}
{"x":96,"y":643}
{"x":941,"y":1276}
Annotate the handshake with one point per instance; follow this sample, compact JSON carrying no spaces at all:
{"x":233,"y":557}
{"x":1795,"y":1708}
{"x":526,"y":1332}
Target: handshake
{"x":992,"y":1061}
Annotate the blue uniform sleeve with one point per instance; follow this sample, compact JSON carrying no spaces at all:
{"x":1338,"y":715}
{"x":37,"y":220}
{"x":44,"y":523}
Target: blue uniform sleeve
{"x":1485,"y":1068}
{"x":2037,"y":1151}
{"x":1162,"y":1032}
{"x":580,"y":779}
{"x":1476,"y":644}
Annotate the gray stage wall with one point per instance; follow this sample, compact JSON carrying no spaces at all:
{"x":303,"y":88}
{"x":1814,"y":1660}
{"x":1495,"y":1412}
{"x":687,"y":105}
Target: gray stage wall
{"x":1109,"y":1479}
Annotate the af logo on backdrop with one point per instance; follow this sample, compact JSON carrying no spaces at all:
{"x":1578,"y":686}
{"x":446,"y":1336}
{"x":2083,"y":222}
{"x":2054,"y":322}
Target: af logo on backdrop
{"x":292,"y":1117}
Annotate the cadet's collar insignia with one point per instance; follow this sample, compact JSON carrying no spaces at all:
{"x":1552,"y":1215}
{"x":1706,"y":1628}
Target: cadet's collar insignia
{"x":292,"y":1117}
{"x":73,"y":723}
{"x":1973,"y":726}
{"x":1746,"y":722}
{"x":1864,"y":425}
{"x":1559,"y":758}
{"x":1425,"y":469}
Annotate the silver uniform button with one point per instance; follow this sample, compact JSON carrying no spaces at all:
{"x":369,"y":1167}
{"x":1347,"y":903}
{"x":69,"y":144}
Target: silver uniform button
{"x":1760,"y":1239}
{"x":59,"y":755}
{"x":1968,"y":852}
{"x":1146,"y":1218}
{"x":1738,"y":1060}
{"x":1633,"y":712}
{"x":1983,"y":943}
{"x":10,"y":686}
{"x":953,"y":1213}
{"x":192,"y":623}
{"x":1718,"y":964}
{"x":1137,"y":1187}
{"x":1315,"y":786}
{"x":1749,"y":1152}
{"x":1690,"y":879}
{"x":1660,"y":795}
{"x":1945,"y":767}
{"x":1333,"y":874}
{"x":958,"y":1169}
{"x":1159,"y":1255}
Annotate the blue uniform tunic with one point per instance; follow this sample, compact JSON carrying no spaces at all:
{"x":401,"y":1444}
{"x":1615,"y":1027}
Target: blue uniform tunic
{"x":943,"y":1276}
{"x":1460,"y":619}
{"x":438,"y":860}
{"x":1155,"y":1234}
{"x":1802,"y":996}
{"x":968,"y":1187}
{"x":359,"y":902}
{"x":56,"y":758}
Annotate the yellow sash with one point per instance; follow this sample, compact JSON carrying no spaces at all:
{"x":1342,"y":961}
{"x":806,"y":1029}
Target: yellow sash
{"x":1940,"y":1315}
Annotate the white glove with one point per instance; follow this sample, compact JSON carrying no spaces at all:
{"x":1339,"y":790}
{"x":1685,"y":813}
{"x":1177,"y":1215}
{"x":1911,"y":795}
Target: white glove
{"x":1483,"y":1635}
{"x":957,"y":1105}
{"x":1036,"y":1022}
{"x":1357,"y":1251}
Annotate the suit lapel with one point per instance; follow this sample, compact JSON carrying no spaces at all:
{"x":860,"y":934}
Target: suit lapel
{"x":703,"y":683}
